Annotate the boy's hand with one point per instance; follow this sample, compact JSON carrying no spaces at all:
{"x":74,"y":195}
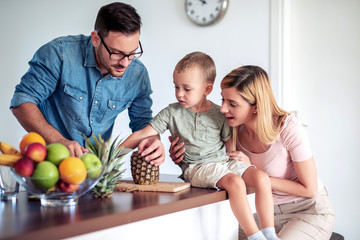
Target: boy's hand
{"x":238,"y":155}
{"x":153,"y":149}
{"x":176,"y":150}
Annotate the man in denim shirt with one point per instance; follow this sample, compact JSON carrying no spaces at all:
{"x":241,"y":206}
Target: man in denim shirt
{"x":79,"y":84}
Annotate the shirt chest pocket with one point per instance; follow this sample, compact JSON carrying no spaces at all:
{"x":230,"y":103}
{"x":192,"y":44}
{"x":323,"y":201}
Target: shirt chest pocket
{"x":73,"y":103}
{"x":206,"y":132}
{"x":113,"y":108}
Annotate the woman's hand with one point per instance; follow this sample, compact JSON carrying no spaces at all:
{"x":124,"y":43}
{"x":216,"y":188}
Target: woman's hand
{"x":176,"y":150}
{"x":238,"y":155}
{"x":153,"y":149}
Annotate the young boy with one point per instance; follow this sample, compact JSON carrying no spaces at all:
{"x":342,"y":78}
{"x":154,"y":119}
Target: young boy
{"x":206,"y":134}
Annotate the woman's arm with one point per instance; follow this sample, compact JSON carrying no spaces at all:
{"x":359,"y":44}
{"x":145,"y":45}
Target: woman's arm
{"x":229,"y":145}
{"x":307,"y":185}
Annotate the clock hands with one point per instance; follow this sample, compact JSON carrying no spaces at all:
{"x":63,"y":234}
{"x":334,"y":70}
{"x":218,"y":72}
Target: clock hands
{"x":203,"y":2}
{"x":205,"y":12}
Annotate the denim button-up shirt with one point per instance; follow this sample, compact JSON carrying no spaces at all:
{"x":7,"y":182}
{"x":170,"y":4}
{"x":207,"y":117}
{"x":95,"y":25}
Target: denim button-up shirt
{"x":65,"y":83}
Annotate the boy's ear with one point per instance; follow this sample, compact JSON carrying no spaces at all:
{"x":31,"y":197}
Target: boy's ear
{"x":208,"y":89}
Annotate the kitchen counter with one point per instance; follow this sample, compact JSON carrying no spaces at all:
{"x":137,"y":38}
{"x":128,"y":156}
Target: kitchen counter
{"x":26,"y":219}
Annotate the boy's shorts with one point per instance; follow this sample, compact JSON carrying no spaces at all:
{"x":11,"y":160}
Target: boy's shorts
{"x":207,"y":175}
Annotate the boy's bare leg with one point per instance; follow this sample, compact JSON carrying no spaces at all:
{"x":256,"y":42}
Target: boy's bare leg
{"x":264,"y":202}
{"x":236,"y":189}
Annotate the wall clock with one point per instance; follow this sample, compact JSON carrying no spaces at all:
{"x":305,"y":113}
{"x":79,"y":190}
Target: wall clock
{"x":205,"y":12}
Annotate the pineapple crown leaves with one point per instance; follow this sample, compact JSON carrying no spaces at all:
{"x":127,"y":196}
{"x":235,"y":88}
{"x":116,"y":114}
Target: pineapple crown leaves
{"x":109,"y":154}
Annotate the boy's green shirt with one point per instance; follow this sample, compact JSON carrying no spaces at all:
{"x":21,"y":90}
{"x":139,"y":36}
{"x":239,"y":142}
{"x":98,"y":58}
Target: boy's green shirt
{"x":203,"y":133}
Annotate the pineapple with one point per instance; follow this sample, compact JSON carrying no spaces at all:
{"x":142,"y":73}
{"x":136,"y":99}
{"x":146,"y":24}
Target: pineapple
{"x":108,"y":152}
{"x":142,"y":171}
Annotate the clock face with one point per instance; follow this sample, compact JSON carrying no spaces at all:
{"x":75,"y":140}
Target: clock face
{"x":205,"y":12}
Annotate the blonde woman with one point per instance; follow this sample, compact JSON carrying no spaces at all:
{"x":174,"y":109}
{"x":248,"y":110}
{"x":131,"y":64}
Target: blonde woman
{"x":276,"y":143}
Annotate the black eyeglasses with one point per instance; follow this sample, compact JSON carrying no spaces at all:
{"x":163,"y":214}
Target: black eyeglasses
{"x":121,"y":56}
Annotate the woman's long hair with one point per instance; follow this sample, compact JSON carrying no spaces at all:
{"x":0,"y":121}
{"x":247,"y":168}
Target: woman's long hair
{"x":253,"y":84}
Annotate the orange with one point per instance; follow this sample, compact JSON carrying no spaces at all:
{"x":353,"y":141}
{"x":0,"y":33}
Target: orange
{"x":31,"y":137}
{"x":72,"y":170}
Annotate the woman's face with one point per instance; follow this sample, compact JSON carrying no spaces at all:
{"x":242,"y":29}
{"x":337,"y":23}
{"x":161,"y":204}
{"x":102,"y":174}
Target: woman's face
{"x":235,"y":108}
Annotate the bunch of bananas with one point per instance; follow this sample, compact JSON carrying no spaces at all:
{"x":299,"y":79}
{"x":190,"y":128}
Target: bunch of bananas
{"x":9,"y":154}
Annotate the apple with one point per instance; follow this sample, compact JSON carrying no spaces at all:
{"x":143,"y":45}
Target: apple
{"x":45,"y":175}
{"x":67,"y":187}
{"x":93,"y":164}
{"x":36,"y":151}
{"x":56,"y":152}
{"x":24,"y":166}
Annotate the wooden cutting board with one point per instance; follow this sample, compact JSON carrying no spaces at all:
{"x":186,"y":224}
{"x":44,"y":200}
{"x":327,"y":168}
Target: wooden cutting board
{"x":130,"y":186}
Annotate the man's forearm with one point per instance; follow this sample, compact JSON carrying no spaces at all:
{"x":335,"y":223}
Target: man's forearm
{"x":32,"y":120}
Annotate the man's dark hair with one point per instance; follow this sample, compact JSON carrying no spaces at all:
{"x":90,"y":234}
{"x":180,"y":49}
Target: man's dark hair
{"x":118,"y":17}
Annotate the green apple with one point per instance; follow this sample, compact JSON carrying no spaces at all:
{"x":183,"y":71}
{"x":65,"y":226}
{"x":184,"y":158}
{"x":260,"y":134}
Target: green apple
{"x":93,"y":164}
{"x":45,"y":175}
{"x":56,"y":152}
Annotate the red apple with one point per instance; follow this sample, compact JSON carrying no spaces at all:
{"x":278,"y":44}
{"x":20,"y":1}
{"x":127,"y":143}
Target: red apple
{"x":24,"y":166}
{"x":36,"y":151}
{"x":67,"y":187}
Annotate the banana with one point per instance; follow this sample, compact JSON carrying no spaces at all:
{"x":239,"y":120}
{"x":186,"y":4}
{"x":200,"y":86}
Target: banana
{"x":6,"y":148}
{"x":8,"y":159}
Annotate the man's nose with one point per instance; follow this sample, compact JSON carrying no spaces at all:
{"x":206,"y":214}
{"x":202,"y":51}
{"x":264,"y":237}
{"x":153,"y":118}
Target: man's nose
{"x":125,"y":61}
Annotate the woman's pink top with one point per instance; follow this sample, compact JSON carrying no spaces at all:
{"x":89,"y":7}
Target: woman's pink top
{"x":292,"y":145}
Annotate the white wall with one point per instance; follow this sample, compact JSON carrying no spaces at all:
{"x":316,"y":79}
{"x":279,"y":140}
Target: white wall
{"x":325,"y":72}
{"x":325,"y":68}
{"x":242,"y":37}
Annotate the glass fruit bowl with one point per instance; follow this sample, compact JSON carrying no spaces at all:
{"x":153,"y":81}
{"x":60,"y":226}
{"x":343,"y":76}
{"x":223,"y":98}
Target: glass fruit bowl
{"x":61,"y":193}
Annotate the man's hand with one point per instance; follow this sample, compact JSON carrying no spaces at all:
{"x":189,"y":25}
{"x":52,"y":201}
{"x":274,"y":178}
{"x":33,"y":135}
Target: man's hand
{"x":153,"y":149}
{"x":176,"y":150}
{"x":76,"y":150}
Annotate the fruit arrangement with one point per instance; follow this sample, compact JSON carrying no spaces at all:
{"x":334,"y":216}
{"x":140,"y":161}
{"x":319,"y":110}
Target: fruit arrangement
{"x":48,"y":168}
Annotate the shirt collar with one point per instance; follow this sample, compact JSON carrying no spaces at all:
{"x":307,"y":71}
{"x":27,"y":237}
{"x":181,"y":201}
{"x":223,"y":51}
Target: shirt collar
{"x":90,"y":59}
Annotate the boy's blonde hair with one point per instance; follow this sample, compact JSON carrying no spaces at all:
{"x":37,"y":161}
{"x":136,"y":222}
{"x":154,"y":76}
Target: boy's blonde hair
{"x":201,"y":60}
{"x":253,"y":84}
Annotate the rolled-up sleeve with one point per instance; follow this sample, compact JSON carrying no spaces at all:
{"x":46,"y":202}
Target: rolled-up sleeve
{"x":40,"y":81}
